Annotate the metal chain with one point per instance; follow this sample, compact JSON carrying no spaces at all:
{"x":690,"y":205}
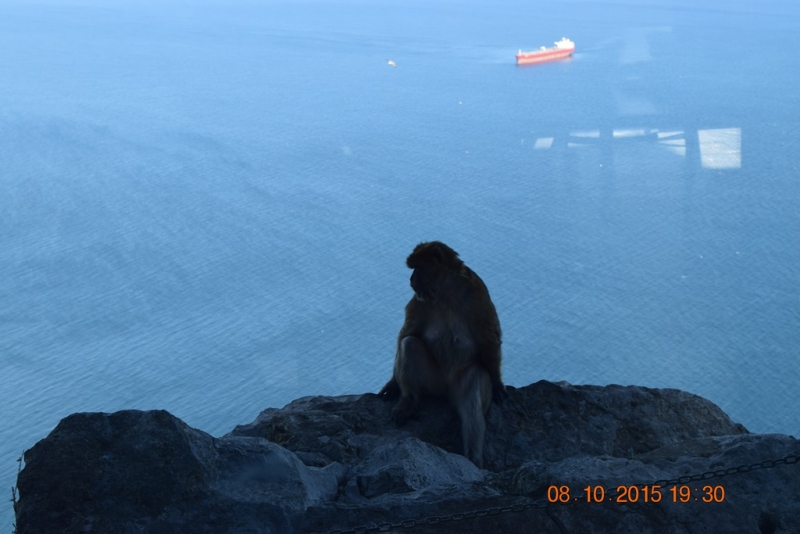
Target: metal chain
{"x":543,"y":503}
{"x":436,"y":519}
{"x":717,"y":473}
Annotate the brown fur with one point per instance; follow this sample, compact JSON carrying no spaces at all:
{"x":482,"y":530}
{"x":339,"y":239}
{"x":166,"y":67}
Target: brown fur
{"x":449,"y":345}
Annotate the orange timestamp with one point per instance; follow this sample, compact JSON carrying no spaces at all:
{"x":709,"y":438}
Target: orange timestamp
{"x":638,"y":493}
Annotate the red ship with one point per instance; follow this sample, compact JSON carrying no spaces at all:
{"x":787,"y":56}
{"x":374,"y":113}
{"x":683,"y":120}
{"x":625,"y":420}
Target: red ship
{"x":562,"y":49}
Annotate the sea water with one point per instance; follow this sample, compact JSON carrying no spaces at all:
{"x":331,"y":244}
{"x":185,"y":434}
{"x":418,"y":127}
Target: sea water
{"x":206,"y":207}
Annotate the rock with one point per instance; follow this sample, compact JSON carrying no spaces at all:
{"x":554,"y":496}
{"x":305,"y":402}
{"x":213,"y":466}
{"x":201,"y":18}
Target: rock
{"x":135,"y":471}
{"x":324,"y":463}
{"x":408,"y":466}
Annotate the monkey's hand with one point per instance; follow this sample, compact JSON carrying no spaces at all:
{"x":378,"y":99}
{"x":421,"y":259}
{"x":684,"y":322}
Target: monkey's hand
{"x":390,"y":391}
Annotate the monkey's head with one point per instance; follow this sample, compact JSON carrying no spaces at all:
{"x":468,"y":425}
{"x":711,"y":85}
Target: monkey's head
{"x":432,"y":263}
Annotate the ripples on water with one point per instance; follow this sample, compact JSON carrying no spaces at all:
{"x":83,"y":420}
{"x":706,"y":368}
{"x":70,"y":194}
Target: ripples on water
{"x":208,"y":210}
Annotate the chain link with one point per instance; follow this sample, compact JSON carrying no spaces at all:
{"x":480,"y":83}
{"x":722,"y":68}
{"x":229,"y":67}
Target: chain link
{"x":436,"y":519}
{"x":717,"y":473}
{"x":543,"y":503}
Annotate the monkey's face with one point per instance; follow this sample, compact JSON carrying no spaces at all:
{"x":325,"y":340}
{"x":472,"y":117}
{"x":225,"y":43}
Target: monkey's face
{"x":425,"y":282}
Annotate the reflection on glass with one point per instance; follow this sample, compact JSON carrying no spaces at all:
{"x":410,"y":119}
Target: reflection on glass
{"x":673,"y":142}
{"x":630,"y":132}
{"x":586,"y":133}
{"x":721,"y":148}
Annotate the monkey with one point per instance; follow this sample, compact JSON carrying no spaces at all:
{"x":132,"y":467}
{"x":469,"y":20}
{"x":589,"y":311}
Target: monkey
{"x":449,"y":344}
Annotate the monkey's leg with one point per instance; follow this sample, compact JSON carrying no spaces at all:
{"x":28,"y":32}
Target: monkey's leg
{"x":417,"y":374}
{"x":471,"y":396}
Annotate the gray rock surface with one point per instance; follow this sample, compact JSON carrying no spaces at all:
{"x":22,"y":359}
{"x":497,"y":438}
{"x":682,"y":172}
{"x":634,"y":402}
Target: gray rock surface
{"x":326,"y":463}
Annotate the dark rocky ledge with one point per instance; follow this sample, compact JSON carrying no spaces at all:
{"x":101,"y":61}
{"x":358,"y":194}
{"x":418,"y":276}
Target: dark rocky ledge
{"x":324,"y":463}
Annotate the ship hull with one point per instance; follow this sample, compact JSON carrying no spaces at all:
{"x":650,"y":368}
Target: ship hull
{"x":540,"y":56}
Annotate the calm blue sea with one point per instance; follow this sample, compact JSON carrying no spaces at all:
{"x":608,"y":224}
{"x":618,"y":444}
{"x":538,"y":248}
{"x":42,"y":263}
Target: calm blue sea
{"x":206,"y":207}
